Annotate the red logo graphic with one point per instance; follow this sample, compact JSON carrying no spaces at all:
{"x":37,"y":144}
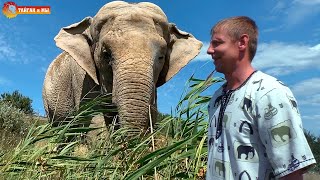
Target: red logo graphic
{"x":11,"y":10}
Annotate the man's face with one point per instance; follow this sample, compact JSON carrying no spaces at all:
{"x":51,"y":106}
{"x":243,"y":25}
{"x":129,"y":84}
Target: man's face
{"x":224,"y":51}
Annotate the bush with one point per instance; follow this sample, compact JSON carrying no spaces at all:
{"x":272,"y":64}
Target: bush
{"x":13,"y":127}
{"x":12,"y":119}
{"x":314,"y":143}
{"x":19,"y":101}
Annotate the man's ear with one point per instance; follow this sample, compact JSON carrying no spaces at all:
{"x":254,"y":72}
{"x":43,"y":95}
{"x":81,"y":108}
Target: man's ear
{"x":243,"y":41}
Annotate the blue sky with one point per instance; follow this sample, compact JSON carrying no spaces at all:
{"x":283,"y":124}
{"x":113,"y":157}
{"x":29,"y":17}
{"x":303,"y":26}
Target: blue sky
{"x":289,"y":45}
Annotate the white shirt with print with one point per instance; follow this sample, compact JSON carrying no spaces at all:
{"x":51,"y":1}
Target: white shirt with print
{"x":261,"y":136}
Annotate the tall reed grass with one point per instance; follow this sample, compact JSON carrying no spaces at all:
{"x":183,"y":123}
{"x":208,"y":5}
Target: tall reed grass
{"x":175,"y":149}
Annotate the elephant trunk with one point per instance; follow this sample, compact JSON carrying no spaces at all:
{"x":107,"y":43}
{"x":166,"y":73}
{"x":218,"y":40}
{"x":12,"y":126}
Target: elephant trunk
{"x":133,"y":93}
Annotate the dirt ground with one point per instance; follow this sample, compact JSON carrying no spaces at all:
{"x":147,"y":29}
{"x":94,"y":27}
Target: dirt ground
{"x":311,"y":176}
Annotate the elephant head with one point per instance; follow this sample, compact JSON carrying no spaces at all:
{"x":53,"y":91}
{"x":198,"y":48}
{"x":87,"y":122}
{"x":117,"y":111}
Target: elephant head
{"x":128,"y":50}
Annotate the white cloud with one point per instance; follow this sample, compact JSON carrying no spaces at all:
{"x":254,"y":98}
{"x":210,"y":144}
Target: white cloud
{"x":279,"y":58}
{"x":312,"y":117}
{"x":307,"y":2}
{"x":5,"y":50}
{"x":308,"y":91}
{"x":14,"y":50}
{"x":313,"y":100}
{"x":312,"y":86}
{"x":311,"y":123}
{"x":280,"y":6}
{"x":295,"y":12}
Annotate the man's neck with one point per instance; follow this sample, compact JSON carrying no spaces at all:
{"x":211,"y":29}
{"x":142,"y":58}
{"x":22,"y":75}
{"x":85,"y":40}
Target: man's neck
{"x":238,"y":77}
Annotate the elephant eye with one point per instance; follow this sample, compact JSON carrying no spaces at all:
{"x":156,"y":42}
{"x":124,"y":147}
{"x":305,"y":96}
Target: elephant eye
{"x":161,"y":57}
{"x":107,"y":55}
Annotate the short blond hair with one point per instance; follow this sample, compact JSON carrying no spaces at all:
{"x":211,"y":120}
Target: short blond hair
{"x":236,"y":27}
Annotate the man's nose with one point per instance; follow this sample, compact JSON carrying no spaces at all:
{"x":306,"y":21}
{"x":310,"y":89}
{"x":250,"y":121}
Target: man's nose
{"x":210,"y":50}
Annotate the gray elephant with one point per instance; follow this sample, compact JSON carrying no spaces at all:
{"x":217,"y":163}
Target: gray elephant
{"x":125,"y":49}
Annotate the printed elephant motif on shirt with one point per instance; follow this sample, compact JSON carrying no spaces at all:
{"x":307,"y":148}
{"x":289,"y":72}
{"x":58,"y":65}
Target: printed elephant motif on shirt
{"x":245,"y":150}
{"x":211,"y":142}
{"x":281,"y":132}
{"x":247,"y":104}
{"x":220,"y":168}
{"x":244,"y":174}
{"x":293,"y":103}
{"x":225,"y":120}
{"x":249,"y":126}
{"x":217,"y":102}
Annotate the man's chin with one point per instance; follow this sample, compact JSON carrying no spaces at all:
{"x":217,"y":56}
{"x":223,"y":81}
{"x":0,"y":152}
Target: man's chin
{"x":218,"y":70}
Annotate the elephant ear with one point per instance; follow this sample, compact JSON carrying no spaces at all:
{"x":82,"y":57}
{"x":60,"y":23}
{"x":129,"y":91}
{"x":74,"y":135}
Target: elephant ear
{"x":183,"y":47}
{"x":75,"y":40}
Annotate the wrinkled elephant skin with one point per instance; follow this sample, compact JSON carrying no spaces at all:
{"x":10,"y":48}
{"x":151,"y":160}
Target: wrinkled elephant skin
{"x":125,"y":49}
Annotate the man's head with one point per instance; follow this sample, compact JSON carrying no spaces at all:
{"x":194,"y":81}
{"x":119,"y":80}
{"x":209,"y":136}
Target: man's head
{"x":238,"y":26}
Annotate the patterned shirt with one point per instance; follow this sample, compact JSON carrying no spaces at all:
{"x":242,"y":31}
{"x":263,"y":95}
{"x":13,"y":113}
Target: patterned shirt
{"x":255,"y":132}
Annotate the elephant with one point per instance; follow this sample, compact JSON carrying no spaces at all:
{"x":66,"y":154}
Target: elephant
{"x":220,"y":168}
{"x":247,"y":104}
{"x":281,"y":132}
{"x":225,"y":120}
{"x":246,"y":173}
{"x":245,"y":150}
{"x":248,"y":124}
{"x":211,"y":142}
{"x":127,"y":50}
{"x":218,"y":101}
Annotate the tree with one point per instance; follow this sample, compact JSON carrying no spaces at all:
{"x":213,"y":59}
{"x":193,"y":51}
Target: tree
{"x":19,"y":101}
{"x":314,"y":143}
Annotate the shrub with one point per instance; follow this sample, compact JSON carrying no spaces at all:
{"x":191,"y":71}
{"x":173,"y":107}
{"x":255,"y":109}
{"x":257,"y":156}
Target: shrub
{"x":13,"y":127}
{"x":12,"y":119}
{"x":19,"y":101}
{"x":314,"y":143}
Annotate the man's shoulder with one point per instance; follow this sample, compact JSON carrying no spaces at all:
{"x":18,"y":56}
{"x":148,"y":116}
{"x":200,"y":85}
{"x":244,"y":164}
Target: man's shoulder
{"x":262,"y":84}
{"x":265,"y":77}
{"x":267,"y":81}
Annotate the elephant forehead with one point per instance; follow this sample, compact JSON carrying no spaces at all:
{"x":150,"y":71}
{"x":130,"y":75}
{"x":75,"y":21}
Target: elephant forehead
{"x":115,"y":9}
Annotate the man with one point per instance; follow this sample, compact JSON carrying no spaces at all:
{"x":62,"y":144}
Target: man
{"x":255,"y":129}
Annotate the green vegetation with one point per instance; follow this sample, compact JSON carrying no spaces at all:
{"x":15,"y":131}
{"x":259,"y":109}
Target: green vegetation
{"x":14,"y":125}
{"x":19,"y":101}
{"x":314,"y":143}
{"x":174,"y":149}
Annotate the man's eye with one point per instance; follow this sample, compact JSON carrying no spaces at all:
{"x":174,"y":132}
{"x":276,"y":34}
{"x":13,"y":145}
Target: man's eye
{"x":215,"y":43}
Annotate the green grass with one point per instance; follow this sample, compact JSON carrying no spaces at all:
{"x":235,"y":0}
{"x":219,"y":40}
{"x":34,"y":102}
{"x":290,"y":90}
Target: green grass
{"x":176,"y":148}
